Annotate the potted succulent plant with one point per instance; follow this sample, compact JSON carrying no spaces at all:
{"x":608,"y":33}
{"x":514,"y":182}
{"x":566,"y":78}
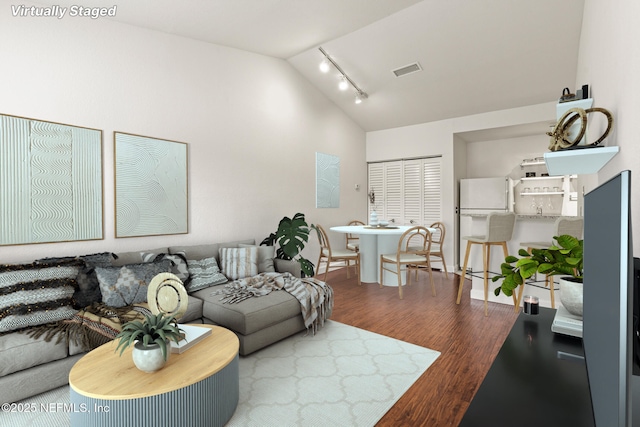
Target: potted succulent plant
{"x":291,"y":236}
{"x":151,"y":339}
{"x":564,"y":258}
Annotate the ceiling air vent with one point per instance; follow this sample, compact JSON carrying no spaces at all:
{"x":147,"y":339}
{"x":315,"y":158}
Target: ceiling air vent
{"x":407,"y":69}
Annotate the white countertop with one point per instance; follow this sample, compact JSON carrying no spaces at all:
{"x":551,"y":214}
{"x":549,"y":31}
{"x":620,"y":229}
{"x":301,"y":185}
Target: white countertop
{"x":518,"y":216}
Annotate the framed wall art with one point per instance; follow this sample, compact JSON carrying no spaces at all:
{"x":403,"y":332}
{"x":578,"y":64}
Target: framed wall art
{"x":50,"y":182}
{"x":327,"y":181}
{"x":151,"y":186}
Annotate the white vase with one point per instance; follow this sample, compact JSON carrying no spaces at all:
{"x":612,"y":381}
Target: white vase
{"x":571,"y":295}
{"x":149,"y":359}
{"x":373,"y":219}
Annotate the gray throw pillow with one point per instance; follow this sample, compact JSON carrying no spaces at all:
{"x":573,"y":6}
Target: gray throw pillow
{"x":128,"y":284}
{"x":204,"y":273}
{"x":288,"y":266}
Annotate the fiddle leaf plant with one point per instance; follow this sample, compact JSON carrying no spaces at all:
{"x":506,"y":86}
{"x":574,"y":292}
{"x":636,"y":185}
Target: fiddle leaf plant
{"x":154,"y":329}
{"x":291,"y":236}
{"x":565,"y":257}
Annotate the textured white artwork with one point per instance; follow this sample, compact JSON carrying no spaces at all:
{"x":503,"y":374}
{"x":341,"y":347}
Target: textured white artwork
{"x":327,"y":181}
{"x":151,"y":186}
{"x":50,"y":182}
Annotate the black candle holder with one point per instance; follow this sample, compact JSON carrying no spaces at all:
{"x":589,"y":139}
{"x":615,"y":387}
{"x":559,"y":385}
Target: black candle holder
{"x":531,"y":305}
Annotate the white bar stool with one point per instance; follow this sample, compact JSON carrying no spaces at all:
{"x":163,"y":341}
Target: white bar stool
{"x":499,"y":230}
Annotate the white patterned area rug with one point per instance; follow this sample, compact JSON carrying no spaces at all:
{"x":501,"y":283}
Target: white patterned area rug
{"x":342,"y":376}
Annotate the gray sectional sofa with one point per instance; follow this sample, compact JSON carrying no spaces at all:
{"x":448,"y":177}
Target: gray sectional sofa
{"x":30,"y":366}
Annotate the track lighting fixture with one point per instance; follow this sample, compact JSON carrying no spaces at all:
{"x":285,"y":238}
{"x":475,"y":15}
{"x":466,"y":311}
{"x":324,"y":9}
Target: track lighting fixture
{"x":345,"y":81}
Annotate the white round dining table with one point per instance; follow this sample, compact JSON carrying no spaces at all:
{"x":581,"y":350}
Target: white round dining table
{"x":375,"y":241}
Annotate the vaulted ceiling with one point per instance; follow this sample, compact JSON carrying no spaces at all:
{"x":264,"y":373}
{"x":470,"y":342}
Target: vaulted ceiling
{"x":476,"y":55}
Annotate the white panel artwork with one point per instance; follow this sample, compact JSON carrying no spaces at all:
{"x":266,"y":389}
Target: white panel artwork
{"x":151,"y":186}
{"x":50,"y":182}
{"x":327,"y":181}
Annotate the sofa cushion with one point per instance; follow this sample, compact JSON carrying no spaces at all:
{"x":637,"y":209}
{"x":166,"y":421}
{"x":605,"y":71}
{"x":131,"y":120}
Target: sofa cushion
{"x":33,"y":294}
{"x":266,"y":254}
{"x":128,"y":284}
{"x":250,"y":315}
{"x":18,"y":351}
{"x":204,"y":273}
{"x":194,"y":311}
{"x":238,"y":263}
{"x":207,"y":251}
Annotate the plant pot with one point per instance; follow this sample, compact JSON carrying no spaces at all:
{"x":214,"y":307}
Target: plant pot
{"x":571,"y":295}
{"x":149,"y":359}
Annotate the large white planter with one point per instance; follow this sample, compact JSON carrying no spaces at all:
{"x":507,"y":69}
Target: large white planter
{"x":571,"y":295}
{"x":149,"y":359}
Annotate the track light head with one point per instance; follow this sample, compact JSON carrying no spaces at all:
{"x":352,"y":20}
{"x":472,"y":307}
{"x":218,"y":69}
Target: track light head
{"x":324,"y":66}
{"x":360,"y":96}
{"x":343,"y":85}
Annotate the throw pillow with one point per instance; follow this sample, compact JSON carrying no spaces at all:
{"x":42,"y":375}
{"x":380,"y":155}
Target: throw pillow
{"x":288,"y":266}
{"x":238,"y":263}
{"x":128,"y":284}
{"x":266,"y":254}
{"x":33,"y":294}
{"x":180,"y":267}
{"x":204,"y":273}
{"x":88,"y":290}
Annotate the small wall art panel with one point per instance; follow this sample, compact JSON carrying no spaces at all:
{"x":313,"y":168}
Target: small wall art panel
{"x":50,"y":182}
{"x":327,"y":181}
{"x":151,"y":186}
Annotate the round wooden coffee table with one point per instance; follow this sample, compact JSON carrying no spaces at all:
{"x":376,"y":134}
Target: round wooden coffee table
{"x":199,"y":387}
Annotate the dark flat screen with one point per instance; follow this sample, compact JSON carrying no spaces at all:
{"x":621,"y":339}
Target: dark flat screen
{"x":608,"y":300}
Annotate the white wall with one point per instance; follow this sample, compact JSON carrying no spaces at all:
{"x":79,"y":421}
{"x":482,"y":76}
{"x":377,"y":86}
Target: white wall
{"x":609,"y":62}
{"x":253,"y":124}
{"x":503,"y":157}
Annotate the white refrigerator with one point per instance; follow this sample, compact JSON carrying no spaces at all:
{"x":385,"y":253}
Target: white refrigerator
{"x":484,"y":195}
{"x":479,"y":196}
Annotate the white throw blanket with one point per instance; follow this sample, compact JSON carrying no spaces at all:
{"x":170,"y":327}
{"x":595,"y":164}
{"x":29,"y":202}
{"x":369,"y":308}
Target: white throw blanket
{"x":315,"y":296}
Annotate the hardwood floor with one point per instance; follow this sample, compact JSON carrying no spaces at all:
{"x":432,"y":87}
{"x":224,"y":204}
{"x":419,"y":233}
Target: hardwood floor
{"x":468,"y":341}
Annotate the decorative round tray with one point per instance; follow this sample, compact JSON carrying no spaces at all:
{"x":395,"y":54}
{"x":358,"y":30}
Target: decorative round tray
{"x":166,"y":294}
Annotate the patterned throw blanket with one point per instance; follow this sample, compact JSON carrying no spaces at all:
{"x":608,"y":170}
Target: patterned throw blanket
{"x":315,"y":296}
{"x":91,"y":327}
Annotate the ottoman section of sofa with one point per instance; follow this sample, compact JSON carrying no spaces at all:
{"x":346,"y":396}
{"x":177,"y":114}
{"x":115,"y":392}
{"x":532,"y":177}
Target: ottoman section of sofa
{"x":254,"y":314}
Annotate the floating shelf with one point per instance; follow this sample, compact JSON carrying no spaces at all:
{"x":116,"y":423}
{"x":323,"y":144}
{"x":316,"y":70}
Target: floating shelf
{"x":540,"y":178}
{"x":542,"y":193}
{"x":579,"y":161}
{"x":532,"y":163}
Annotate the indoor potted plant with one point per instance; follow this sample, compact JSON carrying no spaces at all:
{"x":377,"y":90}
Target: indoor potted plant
{"x":564,"y":258}
{"x":291,"y":236}
{"x":151,"y":338}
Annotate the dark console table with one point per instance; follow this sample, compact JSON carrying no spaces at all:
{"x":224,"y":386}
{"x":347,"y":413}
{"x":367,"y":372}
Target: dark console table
{"x":530,"y":383}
